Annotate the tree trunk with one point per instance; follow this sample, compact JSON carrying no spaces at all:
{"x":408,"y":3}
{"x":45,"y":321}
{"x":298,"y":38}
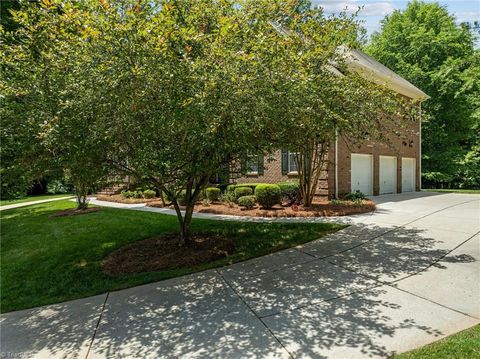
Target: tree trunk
{"x":310,"y":163}
{"x":81,"y":194}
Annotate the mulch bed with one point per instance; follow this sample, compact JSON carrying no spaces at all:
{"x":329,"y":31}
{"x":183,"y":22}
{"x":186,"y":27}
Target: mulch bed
{"x":75,"y":212}
{"x":318,"y":209}
{"x":118,"y":198}
{"x":164,"y":253}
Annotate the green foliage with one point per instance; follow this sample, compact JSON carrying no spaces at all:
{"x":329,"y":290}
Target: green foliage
{"x":126,"y":194}
{"x":232,"y":187}
{"x":213,"y":194}
{"x":354,"y":196}
{"x":243,"y":191}
{"x":247,"y":202}
{"x":228,"y":197}
{"x":149,"y":194}
{"x":290,"y":190}
{"x":57,"y":186}
{"x":424,"y":44}
{"x":268,"y":195}
{"x":337,"y":202}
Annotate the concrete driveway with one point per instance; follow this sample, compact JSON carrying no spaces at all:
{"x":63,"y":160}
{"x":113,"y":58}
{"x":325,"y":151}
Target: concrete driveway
{"x":400,"y":278}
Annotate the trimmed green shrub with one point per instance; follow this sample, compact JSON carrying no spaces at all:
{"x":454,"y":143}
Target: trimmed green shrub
{"x":127,"y":194}
{"x":232,"y":187}
{"x":247,"y":201}
{"x":228,"y":197}
{"x":268,"y":195}
{"x":290,"y":190}
{"x":243,"y":191}
{"x":137,"y":194}
{"x":149,"y":193}
{"x":354,"y":196}
{"x":213,"y":194}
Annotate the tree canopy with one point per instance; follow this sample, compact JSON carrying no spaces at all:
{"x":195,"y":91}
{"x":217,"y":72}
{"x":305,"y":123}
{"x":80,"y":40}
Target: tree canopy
{"x":173,"y":92}
{"x":424,"y":44}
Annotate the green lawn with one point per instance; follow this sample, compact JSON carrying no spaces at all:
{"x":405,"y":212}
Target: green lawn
{"x":468,"y":191}
{"x":33,"y":198}
{"x":465,"y":345}
{"x":48,"y":260}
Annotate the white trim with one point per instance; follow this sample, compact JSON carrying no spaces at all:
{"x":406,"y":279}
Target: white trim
{"x":420,"y":150}
{"x":336,"y":163}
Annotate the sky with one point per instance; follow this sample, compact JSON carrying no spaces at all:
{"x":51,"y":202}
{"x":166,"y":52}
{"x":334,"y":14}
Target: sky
{"x":375,"y":10}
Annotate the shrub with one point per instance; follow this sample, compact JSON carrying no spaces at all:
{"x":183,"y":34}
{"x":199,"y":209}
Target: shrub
{"x":55,"y":187}
{"x":232,"y":187}
{"x":228,"y":197}
{"x":243,"y":191}
{"x":290,"y":191}
{"x":268,"y":195}
{"x":353,"y":196}
{"x":137,"y":194}
{"x":149,"y":193}
{"x":247,"y":201}
{"x":213,"y":194}
{"x":337,"y":202}
{"x":127,"y":194}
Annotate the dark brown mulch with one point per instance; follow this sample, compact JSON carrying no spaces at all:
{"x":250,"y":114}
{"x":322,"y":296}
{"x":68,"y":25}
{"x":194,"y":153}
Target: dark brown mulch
{"x":319,"y":209}
{"x":163,"y":253}
{"x":118,"y":198}
{"x":75,"y":212}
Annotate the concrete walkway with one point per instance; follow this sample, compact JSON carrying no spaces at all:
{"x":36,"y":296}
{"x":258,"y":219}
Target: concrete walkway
{"x":403,"y":277}
{"x":24,"y":204}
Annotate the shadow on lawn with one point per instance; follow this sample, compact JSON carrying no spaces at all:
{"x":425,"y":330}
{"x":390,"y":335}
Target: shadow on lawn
{"x":201,"y":316}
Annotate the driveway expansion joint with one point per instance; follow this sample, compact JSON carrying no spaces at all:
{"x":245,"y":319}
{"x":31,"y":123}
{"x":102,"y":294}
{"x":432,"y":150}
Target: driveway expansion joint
{"x":97,"y":325}
{"x":254,"y":313}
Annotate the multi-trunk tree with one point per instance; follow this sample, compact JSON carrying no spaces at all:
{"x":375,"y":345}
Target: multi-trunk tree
{"x":175,"y":91}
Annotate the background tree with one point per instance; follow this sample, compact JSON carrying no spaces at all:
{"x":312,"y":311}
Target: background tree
{"x":51,"y":94}
{"x":424,"y":45}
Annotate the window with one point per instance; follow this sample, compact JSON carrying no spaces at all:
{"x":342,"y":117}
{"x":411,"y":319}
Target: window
{"x":252,"y":164}
{"x":292,"y":162}
{"x":289,"y":163}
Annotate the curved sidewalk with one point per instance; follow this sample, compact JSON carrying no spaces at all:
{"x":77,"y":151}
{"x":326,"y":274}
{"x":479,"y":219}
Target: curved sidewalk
{"x":31,"y":203}
{"x":395,"y":280}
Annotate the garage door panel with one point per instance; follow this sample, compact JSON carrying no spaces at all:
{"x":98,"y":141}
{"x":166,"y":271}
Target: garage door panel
{"x":362,"y":173}
{"x":408,"y":174}
{"x":388,"y":174}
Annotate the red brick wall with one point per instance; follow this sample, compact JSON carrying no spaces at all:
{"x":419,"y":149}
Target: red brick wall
{"x":405,"y":145}
{"x":272,"y":171}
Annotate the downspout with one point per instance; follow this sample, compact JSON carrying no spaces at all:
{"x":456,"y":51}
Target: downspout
{"x":420,"y":148}
{"x":336,"y":164}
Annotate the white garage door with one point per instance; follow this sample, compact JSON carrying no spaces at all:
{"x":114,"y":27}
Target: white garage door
{"x":408,"y":174}
{"x":362,"y":173}
{"x":388,"y":174}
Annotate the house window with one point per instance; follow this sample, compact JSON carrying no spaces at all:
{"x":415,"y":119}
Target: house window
{"x":252,"y":164}
{"x":292,"y":162}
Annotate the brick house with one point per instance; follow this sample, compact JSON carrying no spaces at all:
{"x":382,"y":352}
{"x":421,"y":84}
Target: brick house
{"x":371,"y":167}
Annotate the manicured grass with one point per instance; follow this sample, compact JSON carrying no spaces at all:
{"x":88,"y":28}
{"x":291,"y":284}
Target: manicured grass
{"x":33,"y":198}
{"x":468,"y":191}
{"x":465,"y":345}
{"x":53,"y":259}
